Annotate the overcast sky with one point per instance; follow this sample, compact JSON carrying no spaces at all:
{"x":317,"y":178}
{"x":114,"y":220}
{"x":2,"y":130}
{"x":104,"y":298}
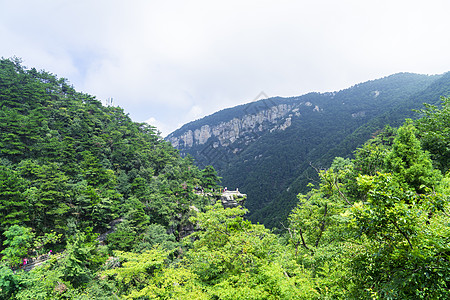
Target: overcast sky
{"x":171,"y":62}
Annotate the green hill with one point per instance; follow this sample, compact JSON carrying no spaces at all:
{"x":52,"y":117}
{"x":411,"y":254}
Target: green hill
{"x":67,"y":163}
{"x":273,"y":165}
{"x":372,"y":227}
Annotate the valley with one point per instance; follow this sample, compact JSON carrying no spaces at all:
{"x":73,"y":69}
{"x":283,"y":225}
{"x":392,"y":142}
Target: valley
{"x":270,"y":148}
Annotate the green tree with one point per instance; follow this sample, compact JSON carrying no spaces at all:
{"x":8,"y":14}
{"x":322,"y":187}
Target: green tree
{"x":317,"y":230}
{"x":48,"y":195}
{"x":81,"y":258}
{"x":8,"y":282}
{"x":411,"y":165}
{"x":155,"y":234}
{"x":137,"y":270}
{"x":235,"y":259}
{"x":404,"y":250}
{"x":14,"y":207}
{"x":18,"y":242}
{"x":433,"y":131}
{"x":209,"y":179}
{"x":123,"y":237}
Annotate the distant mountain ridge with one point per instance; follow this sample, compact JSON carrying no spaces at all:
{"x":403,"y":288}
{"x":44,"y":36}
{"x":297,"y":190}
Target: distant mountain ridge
{"x":267,"y":147}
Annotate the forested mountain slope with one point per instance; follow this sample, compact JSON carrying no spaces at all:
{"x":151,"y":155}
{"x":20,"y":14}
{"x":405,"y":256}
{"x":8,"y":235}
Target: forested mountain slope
{"x":269,"y":148}
{"x":372,"y":227}
{"x":67,"y":163}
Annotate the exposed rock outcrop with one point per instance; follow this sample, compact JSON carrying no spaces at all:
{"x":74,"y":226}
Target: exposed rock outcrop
{"x":232,"y":199}
{"x":229,"y":199}
{"x":277,"y":117}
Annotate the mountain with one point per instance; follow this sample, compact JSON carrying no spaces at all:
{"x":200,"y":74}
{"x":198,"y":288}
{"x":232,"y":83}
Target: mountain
{"x":270,"y":148}
{"x":96,"y":206}
{"x":67,"y":164}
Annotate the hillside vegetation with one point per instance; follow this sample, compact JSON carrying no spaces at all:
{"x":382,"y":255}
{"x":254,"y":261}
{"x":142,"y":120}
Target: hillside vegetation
{"x":372,"y":227}
{"x":273,"y":165}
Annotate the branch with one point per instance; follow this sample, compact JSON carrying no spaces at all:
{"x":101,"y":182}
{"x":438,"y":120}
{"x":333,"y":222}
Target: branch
{"x":402,"y":233}
{"x":342,"y":194}
{"x":298,"y":242}
{"x":303,"y":241}
{"x":322,"y":226}
{"x":317,"y":170}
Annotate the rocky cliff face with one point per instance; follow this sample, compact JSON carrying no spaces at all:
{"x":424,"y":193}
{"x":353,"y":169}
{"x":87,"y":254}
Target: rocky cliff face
{"x":244,"y":129}
{"x":267,"y":147}
{"x":231,"y":199}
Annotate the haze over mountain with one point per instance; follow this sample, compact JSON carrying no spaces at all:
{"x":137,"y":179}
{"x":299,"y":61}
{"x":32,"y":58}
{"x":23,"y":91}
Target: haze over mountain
{"x":169,"y":63}
{"x":270,"y":148}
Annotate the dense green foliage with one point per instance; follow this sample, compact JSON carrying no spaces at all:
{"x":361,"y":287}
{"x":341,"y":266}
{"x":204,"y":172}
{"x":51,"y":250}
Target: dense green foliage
{"x":279,"y":164}
{"x":70,"y":166}
{"x":376,"y":226}
{"x":68,"y":163}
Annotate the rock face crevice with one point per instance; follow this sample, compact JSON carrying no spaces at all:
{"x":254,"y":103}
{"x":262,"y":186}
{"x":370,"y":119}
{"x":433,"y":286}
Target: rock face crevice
{"x":247,"y":127}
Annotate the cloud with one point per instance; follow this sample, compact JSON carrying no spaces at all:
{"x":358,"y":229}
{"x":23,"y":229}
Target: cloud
{"x":195,"y":112}
{"x":180,"y":60}
{"x":161,"y":127}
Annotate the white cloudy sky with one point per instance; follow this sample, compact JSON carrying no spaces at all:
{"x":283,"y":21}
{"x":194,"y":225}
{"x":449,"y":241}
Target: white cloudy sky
{"x":170,"y":62}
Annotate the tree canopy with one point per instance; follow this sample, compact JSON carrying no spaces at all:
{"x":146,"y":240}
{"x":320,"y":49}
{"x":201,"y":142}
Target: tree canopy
{"x":103,"y":206}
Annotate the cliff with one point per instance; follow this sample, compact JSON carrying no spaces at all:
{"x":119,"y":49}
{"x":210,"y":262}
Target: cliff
{"x":267,"y":147}
{"x":246,"y":128}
